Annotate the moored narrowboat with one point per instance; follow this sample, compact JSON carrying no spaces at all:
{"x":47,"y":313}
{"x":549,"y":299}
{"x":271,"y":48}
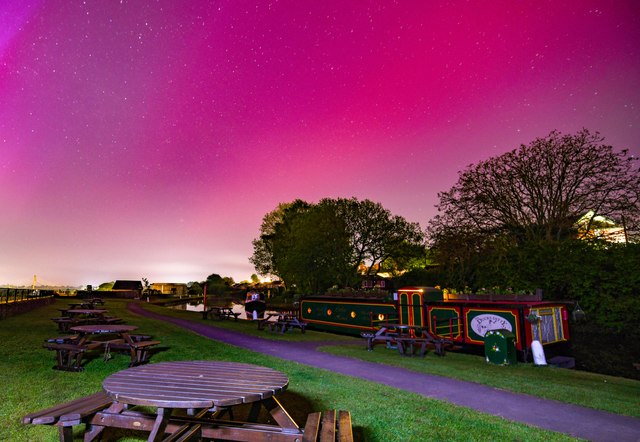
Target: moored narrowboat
{"x":255,"y":305}
{"x":466,"y":318}
{"x":463,"y":319}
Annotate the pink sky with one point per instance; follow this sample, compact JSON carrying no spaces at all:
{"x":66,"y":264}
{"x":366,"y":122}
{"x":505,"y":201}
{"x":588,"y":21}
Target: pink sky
{"x":148,"y":138}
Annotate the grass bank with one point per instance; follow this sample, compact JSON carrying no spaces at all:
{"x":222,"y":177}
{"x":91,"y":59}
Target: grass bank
{"x":379,"y":413}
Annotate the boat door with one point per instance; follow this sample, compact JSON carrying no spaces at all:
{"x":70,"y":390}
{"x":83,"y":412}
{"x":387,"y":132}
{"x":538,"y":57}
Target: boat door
{"x":410,"y":309}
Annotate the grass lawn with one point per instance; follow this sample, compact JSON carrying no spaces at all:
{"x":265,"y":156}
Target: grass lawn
{"x":379,"y":413}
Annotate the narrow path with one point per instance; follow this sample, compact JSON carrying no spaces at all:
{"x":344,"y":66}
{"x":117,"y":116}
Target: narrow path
{"x":570,"y":419}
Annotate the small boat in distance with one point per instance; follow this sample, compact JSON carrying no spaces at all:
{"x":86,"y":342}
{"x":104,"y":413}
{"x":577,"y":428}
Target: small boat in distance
{"x":255,"y":305}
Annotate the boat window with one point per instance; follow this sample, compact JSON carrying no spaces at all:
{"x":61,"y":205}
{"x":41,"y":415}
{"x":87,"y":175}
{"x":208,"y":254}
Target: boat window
{"x":549,"y":328}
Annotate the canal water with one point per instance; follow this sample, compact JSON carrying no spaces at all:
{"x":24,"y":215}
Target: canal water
{"x":199,"y":307}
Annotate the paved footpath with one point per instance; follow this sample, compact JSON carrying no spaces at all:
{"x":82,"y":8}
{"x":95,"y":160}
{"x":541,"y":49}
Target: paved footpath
{"x":570,"y":419}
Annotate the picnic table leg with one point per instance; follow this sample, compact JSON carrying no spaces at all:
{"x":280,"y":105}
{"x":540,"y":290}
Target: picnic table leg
{"x":69,"y":360}
{"x":423,"y":348}
{"x":254,"y":412}
{"x":93,"y":431}
{"x":157,"y":432}
{"x":280,"y":414}
{"x":66,"y":434}
{"x":439,"y":346}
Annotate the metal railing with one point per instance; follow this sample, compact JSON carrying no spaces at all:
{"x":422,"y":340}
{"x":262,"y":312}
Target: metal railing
{"x":11,"y":295}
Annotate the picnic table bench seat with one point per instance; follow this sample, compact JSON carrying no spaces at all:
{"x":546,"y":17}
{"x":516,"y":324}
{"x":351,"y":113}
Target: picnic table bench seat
{"x":64,"y":323}
{"x":68,"y":414}
{"x":62,"y":339}
{"x":330,"y":426}
{"x":69,"y":355}
{"x":138,"y":349}
{"x":373,"y":339}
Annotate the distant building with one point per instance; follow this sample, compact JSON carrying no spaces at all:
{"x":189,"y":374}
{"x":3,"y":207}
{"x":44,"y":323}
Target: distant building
{"x":600,"y":227}
{"x":127,"y":289}
{"x":169,"y":288}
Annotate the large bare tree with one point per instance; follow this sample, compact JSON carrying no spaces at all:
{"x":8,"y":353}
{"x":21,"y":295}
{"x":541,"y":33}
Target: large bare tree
{"x":540,"y":190}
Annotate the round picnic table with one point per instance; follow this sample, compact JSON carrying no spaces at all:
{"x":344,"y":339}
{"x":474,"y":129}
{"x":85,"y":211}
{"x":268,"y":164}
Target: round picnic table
{"x":200,"y":385}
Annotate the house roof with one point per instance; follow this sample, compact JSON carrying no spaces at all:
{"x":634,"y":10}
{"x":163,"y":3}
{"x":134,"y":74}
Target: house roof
{"x":122,"y":284}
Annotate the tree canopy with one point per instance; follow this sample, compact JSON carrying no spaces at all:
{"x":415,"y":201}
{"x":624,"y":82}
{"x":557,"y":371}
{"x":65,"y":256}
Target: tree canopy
{"x":316,"y":246}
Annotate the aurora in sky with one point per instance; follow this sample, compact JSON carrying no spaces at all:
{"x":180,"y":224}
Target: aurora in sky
{"x":149,"y":138}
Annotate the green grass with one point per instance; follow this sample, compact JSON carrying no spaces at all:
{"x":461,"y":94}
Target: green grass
{"x":379,"y":413}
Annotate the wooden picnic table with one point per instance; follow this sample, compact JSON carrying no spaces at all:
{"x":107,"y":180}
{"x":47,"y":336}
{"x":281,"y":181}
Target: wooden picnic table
{"x":199,"y":388}
{"x":87,"y":303}
{"x":86,"y":311}
{"x":191,"y":400}
{"x":407,"y":338}
{"x":285,"y":323}
{"x":220,"y":313}
{"x":71,"y":349}
{"x":79,"y":316}
{"x":138,"y":346}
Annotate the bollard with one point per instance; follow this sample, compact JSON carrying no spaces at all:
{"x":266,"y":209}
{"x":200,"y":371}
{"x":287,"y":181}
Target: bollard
{"x":538,"y":353}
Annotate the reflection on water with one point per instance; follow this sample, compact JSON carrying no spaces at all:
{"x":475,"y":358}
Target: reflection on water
{"x":199,"y":307}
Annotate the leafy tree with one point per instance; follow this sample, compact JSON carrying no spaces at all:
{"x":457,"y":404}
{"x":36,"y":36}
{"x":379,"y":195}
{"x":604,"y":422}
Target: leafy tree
{"x":262,"y":258}
{"x":194,"y":288}
{"x":147,"y":285}
{"x":317,"y":246}
{"x":375,"y":234}
{"x":216,"y":285}
{"x":311,"y":249}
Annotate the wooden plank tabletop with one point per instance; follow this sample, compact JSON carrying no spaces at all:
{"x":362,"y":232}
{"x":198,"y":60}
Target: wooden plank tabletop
{"x":87,"y":311}
{"x":195,"y":384}
{"x":103,"y":328}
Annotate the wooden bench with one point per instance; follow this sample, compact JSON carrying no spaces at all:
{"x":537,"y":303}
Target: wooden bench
{"x":64,"y":323}
{"x":329,"y":426}
{"x":63,"y":339}
{"x":373,"y":339}
{"x":69,"y":414}
{"x":138,"y":349}
{"x":68,"y":355}
{"x":137,"y":338}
